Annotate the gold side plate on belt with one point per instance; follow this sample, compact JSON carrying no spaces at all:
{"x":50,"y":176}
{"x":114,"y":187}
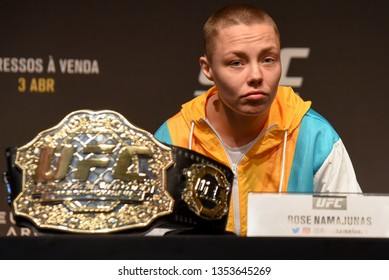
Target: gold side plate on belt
{"x":94,"y":172}
{"x":206,"y":193}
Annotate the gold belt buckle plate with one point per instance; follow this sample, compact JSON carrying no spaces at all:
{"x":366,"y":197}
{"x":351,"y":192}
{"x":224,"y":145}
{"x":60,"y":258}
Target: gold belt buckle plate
{"x":94,"y":172}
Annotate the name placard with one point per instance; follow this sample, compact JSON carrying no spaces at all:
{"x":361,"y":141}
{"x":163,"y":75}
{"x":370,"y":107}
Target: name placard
{"x":321,"y":215}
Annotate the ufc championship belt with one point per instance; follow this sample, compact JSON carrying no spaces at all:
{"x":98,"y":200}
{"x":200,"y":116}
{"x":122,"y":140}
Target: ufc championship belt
{"x":95,"y":172}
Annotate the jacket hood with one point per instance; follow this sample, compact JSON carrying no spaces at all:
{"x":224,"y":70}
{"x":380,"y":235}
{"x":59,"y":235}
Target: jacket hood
{"x":286,"y":111}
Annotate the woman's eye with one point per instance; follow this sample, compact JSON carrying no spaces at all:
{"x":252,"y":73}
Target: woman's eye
{"x":236,"y":63}
{"x":268,"y":60}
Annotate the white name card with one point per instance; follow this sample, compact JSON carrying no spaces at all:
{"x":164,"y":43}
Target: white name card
{"x":319,"y":215}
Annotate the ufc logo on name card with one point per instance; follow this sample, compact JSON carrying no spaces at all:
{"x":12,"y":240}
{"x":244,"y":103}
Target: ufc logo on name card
{"x":329,"y":202}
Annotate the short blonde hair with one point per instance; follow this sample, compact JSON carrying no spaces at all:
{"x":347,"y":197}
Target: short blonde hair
{"x":231,"y":15}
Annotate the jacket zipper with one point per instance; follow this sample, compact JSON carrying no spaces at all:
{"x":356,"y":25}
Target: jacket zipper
{"x":234,"y":167}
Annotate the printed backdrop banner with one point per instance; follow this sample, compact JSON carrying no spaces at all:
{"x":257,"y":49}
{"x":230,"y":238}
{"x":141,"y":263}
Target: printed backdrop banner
{"x":140,"y":58}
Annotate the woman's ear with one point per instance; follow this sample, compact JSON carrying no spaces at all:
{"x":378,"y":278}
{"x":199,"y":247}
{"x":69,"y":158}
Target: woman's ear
{"x":206,"y":67}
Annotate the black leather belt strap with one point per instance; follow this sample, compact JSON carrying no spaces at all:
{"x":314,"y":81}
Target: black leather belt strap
{"x":201,"y":188}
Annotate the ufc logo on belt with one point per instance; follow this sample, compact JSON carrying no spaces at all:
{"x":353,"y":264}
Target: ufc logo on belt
{"x":54,"y":163}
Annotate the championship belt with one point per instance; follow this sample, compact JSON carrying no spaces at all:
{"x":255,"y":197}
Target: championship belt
{"x":95,"y":172}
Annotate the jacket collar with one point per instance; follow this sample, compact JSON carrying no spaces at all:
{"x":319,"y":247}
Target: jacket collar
{"x":286,"y":111}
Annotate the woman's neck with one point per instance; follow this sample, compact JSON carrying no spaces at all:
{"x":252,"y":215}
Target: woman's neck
{"x":236,"y":130}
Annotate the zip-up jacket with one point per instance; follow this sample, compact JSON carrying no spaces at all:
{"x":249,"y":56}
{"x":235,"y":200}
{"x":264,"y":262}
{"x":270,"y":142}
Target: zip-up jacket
{"x":297,"y":151}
